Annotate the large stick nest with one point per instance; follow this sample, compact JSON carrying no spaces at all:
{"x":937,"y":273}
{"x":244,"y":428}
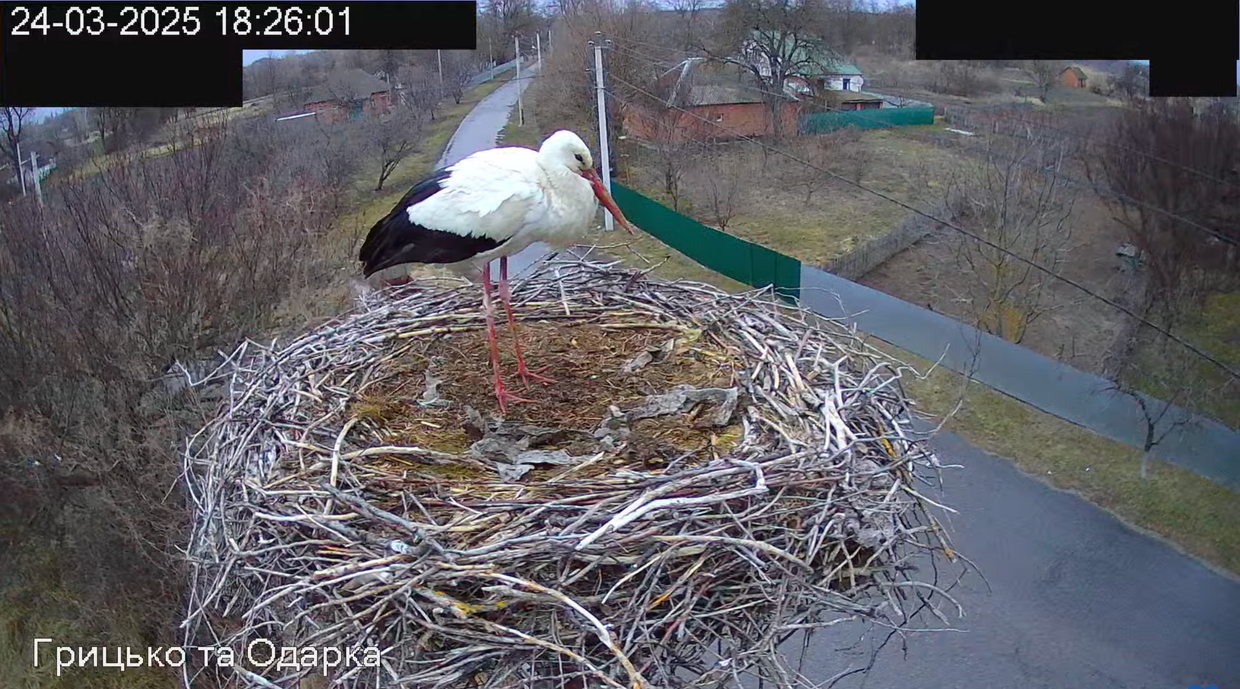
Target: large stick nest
{"x":709,"y":475}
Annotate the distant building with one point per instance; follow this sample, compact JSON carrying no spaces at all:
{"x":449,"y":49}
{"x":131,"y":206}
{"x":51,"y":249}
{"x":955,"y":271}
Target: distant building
{"x":818,"y":68}
{"x":709,"y":101}
{"x":1073,"y":77}
{"x":846,"y":100}
{"x":349,"y":94}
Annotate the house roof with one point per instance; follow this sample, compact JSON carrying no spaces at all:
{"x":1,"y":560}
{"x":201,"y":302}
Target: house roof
{"x":353,"y":84}
{"x":1080,"y":73}
{"x":841,"y":68}
{"x":858,"y":97}
{"x":697,"y":81}
{"x":721,"y":94}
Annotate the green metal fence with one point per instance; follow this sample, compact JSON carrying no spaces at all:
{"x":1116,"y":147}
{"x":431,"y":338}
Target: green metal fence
{"x":823,"y":122}
{"x":752,"y":264}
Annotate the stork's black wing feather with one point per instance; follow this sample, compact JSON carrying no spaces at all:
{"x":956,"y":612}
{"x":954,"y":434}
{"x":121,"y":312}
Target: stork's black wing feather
{"x":395,"y":239}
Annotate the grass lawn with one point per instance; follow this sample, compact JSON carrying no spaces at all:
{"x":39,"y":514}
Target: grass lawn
{"x":1215,"y":328}
{"x":837,"y":218}
{"x":35,"y":602}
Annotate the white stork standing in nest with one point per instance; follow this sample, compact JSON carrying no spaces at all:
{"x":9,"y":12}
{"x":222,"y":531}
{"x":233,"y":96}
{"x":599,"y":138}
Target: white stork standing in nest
{"x":493,"y":204}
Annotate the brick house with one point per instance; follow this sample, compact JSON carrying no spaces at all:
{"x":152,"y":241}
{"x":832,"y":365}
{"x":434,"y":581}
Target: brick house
{"x":1073,"y":77}
{"x":348,"y":94}
{"x":704,"y":101}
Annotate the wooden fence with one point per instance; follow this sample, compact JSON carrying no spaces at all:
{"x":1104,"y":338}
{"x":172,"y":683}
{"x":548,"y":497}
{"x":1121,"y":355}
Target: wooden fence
{"x":870,"y":255}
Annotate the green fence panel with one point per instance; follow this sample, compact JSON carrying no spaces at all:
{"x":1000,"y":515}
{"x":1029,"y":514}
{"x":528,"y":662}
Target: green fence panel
{"x":823,"y":122}
{"x":745,"y":262}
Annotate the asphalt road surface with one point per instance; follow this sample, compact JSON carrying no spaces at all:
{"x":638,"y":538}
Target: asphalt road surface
{"x":1076,"y":599}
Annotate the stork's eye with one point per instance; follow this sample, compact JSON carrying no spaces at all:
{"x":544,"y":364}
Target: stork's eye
{"x":579,"y":158}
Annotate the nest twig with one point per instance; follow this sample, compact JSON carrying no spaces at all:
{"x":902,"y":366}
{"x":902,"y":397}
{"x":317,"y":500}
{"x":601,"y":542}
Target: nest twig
{"x":314,"y":529}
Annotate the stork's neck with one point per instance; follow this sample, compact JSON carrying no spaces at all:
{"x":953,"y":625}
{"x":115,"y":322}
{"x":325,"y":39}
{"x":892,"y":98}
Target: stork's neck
{"x":554,"y":169}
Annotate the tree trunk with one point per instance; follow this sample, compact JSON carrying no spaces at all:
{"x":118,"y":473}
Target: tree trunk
{"x":1145,"y":463}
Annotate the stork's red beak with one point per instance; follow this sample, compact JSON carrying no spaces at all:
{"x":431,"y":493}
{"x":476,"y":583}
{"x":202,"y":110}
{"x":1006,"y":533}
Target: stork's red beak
{"x":605,"y":198}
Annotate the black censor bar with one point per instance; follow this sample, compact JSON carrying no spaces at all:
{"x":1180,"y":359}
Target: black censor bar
{"x":131,"y":54}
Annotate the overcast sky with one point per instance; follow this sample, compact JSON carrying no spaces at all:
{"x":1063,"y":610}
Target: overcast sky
{"x":249,"y":57}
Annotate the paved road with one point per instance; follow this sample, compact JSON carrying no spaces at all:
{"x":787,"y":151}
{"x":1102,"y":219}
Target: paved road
{"x":1077,"y":600}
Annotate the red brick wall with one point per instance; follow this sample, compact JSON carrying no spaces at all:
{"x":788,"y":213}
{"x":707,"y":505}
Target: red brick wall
{"x":722,"y":122}
{"x":326,"y":112}
{"x":378,"y":102}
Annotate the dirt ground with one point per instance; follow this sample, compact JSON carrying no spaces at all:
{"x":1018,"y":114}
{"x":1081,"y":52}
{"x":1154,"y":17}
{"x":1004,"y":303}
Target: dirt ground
{"x":773,"y":207}
{"x":1078,"y":332}
{"x":915,"y":79}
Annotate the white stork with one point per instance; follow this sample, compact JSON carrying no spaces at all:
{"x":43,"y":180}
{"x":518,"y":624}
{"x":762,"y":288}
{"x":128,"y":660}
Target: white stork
{"x":491,"y":205}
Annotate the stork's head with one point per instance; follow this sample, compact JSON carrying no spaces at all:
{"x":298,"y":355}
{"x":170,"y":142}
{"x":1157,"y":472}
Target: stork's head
{"x":566,"y":149}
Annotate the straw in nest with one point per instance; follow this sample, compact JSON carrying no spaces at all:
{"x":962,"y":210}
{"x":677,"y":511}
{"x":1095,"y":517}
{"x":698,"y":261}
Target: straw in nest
{"x":710,"y":475}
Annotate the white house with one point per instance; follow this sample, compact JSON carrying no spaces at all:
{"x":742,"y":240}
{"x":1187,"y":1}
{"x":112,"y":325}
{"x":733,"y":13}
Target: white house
{"x":818,"y":69}
{"x":843,"y":76}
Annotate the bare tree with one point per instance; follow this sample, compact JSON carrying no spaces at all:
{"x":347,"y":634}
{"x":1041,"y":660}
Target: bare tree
{"x":511,"y":18}
{"x":393,"y":138}
{"x":671,"y":157}
{"x":1044,"y":73}
{"x":1133,"y":82}
{"x":956,"y":78}
{"x":721,"y":175}
{"x":1164,"y":380}
{"x":110,"y":123}
{"x":1171,"y":177}
{"x":1022,"y":213}
{"x":819,"y":151}
{"x":459,"y":68}
{"x":850,"y":154}
{"x":12,"y":124}
{"x":421,"y":89}
{"x":773,"y":41}
{"x":688,"y":29}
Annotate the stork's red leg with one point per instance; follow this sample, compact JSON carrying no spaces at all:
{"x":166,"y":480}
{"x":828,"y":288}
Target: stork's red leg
{"x":488,"y":308}
{"x":506,"y":296}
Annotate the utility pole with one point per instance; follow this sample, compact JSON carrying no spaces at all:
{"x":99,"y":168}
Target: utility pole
{"x":604,"y":157}
{"x":520,"y":107}
{"x":34,"y":170}
{"x":21,"y":168}
{"x":538,"y":39}
{"x":439,"y":56}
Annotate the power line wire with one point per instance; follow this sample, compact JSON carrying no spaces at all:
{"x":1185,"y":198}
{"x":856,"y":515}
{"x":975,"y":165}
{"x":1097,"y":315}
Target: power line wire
{"x":953,"y":226}
{"x":1132,"y":149}
{"x":1070,"y":180}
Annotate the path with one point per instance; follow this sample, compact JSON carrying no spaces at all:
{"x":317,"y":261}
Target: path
{"x":1077,"y":599}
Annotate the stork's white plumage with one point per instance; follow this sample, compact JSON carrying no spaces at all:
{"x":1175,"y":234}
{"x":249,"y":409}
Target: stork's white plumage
{"x":490,"y":205}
